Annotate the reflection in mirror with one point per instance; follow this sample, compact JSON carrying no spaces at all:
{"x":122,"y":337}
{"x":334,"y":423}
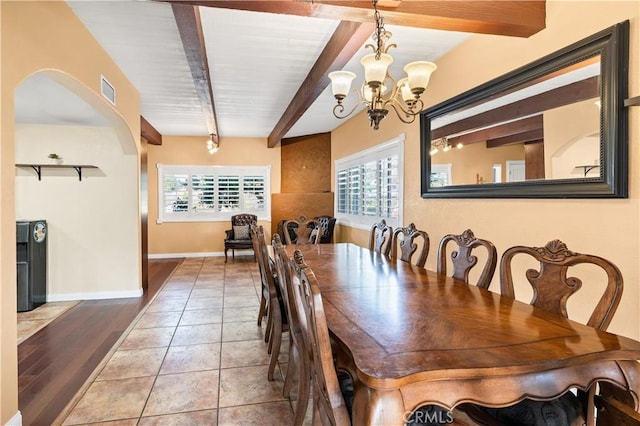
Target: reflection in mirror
{"x":554,"y":128}
{"x":522,"y":134}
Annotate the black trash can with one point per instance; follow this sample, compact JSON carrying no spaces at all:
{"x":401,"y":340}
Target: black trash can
{"x":31,"y":253}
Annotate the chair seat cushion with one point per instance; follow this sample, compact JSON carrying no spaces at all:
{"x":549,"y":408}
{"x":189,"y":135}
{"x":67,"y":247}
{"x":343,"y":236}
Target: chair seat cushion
{"x":243,"y":243}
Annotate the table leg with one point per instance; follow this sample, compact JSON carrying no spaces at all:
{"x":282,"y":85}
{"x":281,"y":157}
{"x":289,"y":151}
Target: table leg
{"x":378,"y":407}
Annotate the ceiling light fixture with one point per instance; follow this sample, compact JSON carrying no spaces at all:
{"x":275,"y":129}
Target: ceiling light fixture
{"x":404,"y":96}
{"x":213,"y":144}
{"x":442,"y":144}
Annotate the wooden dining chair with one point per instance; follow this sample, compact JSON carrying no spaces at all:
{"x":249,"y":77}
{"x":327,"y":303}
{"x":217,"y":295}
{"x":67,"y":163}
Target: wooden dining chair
{"x":307,"y":231}
{"x":277,"y":321}
{"x":612,"y":412}
{"x":264,"y":293}
{"x":329,"y":407}
{"x":380,"y":238}
{"x":407,"y":244}
{"x":298,"y":366}
{"x":464,"y":261}
{"x":552,"y":287}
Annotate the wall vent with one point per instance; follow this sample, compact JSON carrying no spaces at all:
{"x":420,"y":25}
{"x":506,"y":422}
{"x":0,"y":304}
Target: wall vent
{"x":107,"y":89}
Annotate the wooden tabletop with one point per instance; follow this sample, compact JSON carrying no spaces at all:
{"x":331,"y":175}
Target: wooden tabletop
{"x":406,"y":328}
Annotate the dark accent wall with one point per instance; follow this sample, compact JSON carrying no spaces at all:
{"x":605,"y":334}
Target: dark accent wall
{"x":534,"y":160}
{"x":305,"y":179}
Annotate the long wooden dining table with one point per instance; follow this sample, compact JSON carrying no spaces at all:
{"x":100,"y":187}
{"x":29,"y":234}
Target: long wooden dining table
{"x":410,"y":337}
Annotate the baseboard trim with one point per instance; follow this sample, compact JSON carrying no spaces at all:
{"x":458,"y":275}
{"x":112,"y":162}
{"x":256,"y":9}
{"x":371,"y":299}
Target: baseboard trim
{"x":16,"y":420}
{"x":199,"y":254}
{"x":64,"y":297}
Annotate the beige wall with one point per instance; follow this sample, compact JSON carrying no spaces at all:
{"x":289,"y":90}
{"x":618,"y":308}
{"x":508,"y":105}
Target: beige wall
{"x":186,"y":238}
{"x":476,"y":161}
{"x":559,"y":158}
{"x":608,"y":228}
{"x":39,"y":36}
{"x":93,"y":250}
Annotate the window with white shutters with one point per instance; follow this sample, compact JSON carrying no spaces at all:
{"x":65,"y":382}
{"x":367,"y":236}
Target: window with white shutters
{"x":209,"y":193}
{"x":369,"y":185}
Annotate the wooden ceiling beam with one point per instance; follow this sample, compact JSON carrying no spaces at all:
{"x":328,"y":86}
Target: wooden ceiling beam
{"x":575,"y":92}
{"x":509,"y":17}
{"x":190,"y":29}
{"x":524,"y":137}
{"x":500,"y":131}
{"x":343,"y":44}
{"x":149,"y":132}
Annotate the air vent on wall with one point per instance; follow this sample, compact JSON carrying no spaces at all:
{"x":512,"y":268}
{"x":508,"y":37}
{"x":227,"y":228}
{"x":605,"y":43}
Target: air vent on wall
{"x":107,"y":89}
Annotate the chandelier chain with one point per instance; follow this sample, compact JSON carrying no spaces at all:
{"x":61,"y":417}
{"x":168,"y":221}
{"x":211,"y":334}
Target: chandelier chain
{"x":379,"y":29}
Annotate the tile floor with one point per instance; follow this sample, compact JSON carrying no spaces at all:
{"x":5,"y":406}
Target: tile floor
{"x":195,"y":356}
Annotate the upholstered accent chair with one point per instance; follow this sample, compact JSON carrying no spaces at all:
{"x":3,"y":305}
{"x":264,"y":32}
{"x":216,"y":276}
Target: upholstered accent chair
{"x":239,"y":236}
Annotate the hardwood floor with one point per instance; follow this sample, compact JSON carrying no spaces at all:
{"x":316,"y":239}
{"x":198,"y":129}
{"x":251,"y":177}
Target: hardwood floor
{"x":56,"y":361}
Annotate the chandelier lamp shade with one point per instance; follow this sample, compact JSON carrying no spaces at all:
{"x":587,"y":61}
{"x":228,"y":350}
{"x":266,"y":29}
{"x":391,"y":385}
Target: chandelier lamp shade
{"x":213,"y":144}
{"x":379,"y":91}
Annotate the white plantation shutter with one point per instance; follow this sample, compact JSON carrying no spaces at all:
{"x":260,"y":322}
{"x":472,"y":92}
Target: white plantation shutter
{"x":354,"y":190}
{"x":342,"y":197}
{"x":228,"y":194}
{"x":202,"y":193}
{"x":369,"y":185}
{"x":253,"y":194}
{"x":175,"y":196}
{"x":209,"y":193}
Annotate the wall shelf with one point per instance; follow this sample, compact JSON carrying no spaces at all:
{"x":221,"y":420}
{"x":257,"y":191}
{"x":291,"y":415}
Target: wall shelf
{"x":632,"y":101}
{"x":587,"y":168}
{"x":38,"y":168}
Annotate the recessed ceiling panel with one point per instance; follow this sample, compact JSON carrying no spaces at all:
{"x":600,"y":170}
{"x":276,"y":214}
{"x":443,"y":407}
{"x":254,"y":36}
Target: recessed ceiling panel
{"x":257,"y":63}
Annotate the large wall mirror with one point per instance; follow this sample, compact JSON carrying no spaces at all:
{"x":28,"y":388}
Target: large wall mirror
{"x":556,"y":128}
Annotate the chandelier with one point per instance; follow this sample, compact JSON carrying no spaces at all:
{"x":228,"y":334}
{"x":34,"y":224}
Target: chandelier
{"x":379,"y":91}
{"x":444,"y":145}
{"x":213,"y":144}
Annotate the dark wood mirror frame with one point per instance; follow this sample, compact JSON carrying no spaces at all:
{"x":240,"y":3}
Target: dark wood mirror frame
{"x":612,"y":44}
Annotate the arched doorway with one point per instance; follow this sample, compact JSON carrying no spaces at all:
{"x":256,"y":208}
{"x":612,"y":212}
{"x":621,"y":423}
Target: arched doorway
{"x":94,"y":223}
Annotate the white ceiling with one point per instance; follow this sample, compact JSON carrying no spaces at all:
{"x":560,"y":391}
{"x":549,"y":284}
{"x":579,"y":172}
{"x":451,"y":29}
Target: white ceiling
{"x":257,"y":62}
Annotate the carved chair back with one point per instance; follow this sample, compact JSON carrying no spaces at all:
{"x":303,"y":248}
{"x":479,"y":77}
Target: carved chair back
{"x":407,"y":244}
{"x":329,"y":407}
{"x":327,"y":223}
{"x":307,"y":231}
{"x":380,"y":238}
{"x":299,"y":360}
{"x":551,"y":285}
{"x":464,"y":261}
{"x":265,"y":289}
{"x":277,"y":321}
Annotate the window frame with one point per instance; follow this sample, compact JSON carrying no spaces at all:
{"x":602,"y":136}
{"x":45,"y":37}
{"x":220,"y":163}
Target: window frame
{"x":217,"y":171}
{"x":382,"y":151}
